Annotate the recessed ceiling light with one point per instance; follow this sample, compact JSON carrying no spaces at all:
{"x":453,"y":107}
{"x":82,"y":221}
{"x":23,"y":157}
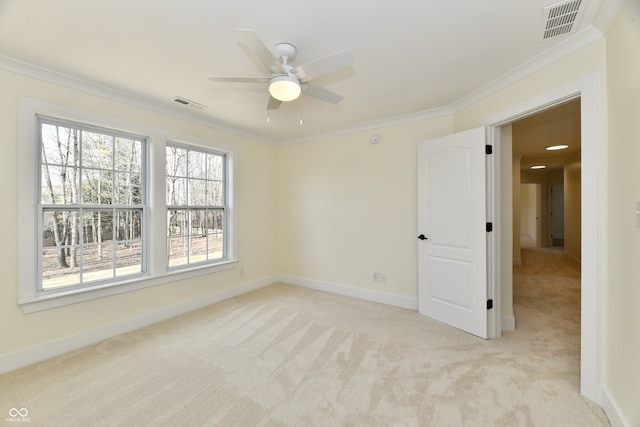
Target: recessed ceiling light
{"x":538,"y":167}
{"x":557,"y":147}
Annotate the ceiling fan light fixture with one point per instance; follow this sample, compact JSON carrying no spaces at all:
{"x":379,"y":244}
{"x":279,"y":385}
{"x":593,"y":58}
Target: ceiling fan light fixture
{"x":284,"y":88}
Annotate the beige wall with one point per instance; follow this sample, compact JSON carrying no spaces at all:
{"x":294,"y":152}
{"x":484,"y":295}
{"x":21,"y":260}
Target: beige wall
{"x":572,"y":209}
{"x":256,"y":208}
{"x":623,"y":289}
{"x":348,"y":208}
{"x":515,"y":209}
{"x":528,"y":211}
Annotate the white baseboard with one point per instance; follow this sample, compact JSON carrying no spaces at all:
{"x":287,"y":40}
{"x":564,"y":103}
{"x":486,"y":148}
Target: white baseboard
{"x":40,"y":352}
{"x":508,"y":323}
{"x":613,"y":411}
{"x":365,"y":294}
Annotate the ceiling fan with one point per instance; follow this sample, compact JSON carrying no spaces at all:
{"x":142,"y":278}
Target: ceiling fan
{"x":286,"y":82}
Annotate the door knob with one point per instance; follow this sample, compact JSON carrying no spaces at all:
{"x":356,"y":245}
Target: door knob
{"x":421,"y":237}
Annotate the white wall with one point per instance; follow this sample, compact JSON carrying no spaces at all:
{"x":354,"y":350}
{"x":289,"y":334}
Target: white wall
{"x":256,"y":207}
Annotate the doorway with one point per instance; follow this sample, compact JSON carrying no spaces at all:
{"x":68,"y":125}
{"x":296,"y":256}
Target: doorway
{"x":591,"y":212}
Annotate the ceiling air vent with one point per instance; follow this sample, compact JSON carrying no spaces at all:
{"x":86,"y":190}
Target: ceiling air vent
{"x":185,"y":101}
{"x":559,"y":19}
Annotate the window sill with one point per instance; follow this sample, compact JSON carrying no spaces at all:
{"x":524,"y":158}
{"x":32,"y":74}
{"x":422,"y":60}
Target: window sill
{"x":62,"y":298}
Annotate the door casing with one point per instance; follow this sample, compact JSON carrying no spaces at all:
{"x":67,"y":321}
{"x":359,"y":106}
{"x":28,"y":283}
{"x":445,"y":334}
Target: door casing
{"x":593,"y":267}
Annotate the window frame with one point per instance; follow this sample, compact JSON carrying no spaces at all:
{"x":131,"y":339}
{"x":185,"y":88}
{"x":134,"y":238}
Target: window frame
{"x":81,"y":206}
{"x":192,"y":207}
{"x":157,"y":272}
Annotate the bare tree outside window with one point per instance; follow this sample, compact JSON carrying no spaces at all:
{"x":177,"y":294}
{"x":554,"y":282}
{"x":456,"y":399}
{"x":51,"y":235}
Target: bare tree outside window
{"x":91,"y":202}
{"x":196,"y":205}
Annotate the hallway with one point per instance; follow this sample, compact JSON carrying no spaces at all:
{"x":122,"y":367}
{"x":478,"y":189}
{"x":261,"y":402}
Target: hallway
{"x":546,"y":289}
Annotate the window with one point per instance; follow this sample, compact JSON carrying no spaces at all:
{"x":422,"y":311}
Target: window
{"x":196,"y":205}
{"x":107,"y":206}
{"x":91,"y":204}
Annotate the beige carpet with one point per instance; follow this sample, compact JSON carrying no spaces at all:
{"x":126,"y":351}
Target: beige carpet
{"x":285,"y":356}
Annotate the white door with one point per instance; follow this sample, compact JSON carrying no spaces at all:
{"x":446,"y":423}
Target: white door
{"x":452,"y":252}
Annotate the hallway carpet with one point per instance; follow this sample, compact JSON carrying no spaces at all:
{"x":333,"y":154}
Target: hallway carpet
{"x":288,"y":356}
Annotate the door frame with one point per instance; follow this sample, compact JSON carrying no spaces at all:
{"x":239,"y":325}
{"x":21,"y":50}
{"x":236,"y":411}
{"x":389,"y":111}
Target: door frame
{"x":594,"y":261}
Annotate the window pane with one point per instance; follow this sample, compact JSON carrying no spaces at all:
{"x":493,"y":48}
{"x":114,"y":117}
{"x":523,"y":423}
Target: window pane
{"x":128,"y":155}
{"x":53,"y":274}
{"x":215,"y":245}
{"x":197,"y":164}
{"x":177,"y":221}
{"x":59,"y":184}
{"x":97,"y":262}
{"x":129,"y":224}
{"x":215,"y":219}
{"x":198,"y":249}
{"x":176,"y":161}
{"x":128,"y":189}
{"x":128,"y":258}
{"x":97,"y":226}
{"x":97,"y":150}
{"x":97,"y":186}
{"x":59,"y":145}
{"x":215,"y":193}
{"x":176,"y":191}
{"x":53,"y":223}
{"x":215,"y":167}
{"x":177,"y":251}
{"x":197,"y":192}
{"x":198,"y":222}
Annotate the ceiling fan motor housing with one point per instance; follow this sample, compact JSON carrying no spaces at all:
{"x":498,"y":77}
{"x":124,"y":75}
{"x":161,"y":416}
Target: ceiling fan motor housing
{"x":285,"y":50}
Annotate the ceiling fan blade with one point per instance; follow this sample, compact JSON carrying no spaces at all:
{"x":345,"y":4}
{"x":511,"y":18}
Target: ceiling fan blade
{"x":239,"y":79}
{"x":321,"y":93}
{"x":320,"y":67}
{"x":260,"y":50}
{"x":273,"y":104}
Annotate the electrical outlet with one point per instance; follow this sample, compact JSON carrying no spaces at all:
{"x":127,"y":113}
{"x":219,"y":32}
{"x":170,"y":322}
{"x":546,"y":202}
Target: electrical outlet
{"x":241,"y":271}
{"x":376,"y":277}
{"x":382,"y":277}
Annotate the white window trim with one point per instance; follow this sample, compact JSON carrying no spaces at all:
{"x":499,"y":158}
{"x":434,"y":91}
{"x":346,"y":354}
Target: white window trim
{"x":157,"y":271}
{"x":191,"y":147}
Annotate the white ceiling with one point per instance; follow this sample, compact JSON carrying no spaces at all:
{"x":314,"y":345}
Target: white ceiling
{"x":413,"y":57}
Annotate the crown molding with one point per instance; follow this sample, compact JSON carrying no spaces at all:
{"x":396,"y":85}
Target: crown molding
{"x":548,"y":57}
{"x":72,"y":82}
{"x":390,"y":121}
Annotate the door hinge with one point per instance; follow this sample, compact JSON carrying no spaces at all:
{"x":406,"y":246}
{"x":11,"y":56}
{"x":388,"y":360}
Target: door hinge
{"x":489,"y":227}
{"x":488,"y":149}
{"x":489,"y":304}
